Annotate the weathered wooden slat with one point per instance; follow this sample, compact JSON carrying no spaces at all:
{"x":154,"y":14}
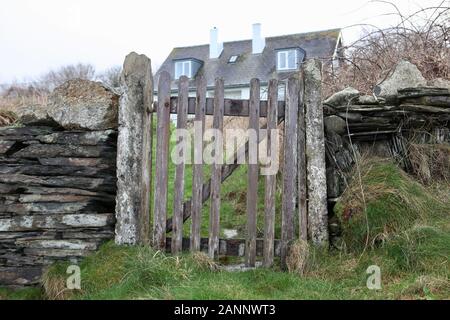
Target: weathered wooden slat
{"x":177,"y":234}
{"x":227,"y":171}
{"x":232,"y":107}
{"x":197,"y":183}
{"x":290,"y":166}
{"x":162,"y":158}
{"x":214,"y":217}
{"x":252,"y":189}
{"x":315,"y":154}
{"x":228,"y":247}
{"x":270,"y":180}
{"x":301,"y":158}
{"x":134,"y":156}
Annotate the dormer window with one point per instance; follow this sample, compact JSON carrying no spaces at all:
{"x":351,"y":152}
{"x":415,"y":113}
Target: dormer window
{"x":186,"y":67}
{"x":183,"y":68}
{"x":289,"y":59}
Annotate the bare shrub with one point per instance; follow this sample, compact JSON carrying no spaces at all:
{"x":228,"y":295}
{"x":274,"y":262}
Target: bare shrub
{"x":422,"y":38}
{"x":36,"y":92}
{"x":111,"y":77}
{"x":7,"y":118}
{"x":55,"y":78}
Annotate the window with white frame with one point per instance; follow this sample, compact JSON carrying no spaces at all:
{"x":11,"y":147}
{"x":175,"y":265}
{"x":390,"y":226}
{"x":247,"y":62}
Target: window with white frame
{"x":183,"y":68}
{"x":287,"y":59}
{"x":233,"y":59}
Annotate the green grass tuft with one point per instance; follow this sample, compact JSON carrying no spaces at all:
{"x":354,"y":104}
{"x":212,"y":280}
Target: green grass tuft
{"x":385,"y":201}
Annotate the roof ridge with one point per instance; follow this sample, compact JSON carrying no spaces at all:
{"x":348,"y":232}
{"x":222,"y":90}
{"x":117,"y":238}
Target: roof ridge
{"x":271,"y":38}
{"x":305,"y":33}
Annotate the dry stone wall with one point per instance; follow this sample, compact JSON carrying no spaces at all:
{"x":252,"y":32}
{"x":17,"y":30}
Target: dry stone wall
{"x":57,"y":185}
{"x":381,"y":126}
{"x":387,"y":127}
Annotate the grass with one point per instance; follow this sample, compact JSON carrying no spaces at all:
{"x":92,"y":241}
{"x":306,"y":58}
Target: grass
{"x":408,"y":233}
{"x":384,"y":202}
{"x":32,"y":293}
{"x":140,"y":273}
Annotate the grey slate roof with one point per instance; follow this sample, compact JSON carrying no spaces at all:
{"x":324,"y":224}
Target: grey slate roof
{"x":319,"y":44}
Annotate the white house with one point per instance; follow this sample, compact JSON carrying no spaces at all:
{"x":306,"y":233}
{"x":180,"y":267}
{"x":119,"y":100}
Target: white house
{"x":237,"y":62}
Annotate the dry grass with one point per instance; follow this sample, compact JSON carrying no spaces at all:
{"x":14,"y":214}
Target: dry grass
{"x":201,"y":261}
{"x":298,"y":257}
{"x":428,"y":284}
{"x":55,"y":286}
{"x":430,"y":162}
{"x":10,"y":105}
{"x":382,"y":203}
{"x":422,"y":38}
{"x":7,"y":118}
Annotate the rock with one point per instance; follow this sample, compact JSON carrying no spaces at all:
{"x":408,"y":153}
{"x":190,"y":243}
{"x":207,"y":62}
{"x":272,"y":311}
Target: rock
{"x":107,"y":184}
{"x":368,"y":100}
{"x":5,"y":146}
{"x":419,"y":92}
{"x":62,"y":150}
{"x":13,"y":276}
{"x":230,"y":233}
{"x":60,"y":221}
{"x":81,"y":138}
{"x":34,"y":115}
{"x":342,"y":97}
{"x":405,"y":75}
{"x":439,"y":83}
{"x":84,"y":105}
{"x":134,"y":140}
{"x":335,"y":124}
{"x":25,"y":131}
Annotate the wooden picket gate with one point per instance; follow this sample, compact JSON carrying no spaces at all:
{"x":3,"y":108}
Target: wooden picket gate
{"x":300,"y":128}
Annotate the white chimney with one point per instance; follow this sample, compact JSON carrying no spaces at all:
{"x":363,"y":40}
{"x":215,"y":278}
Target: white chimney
{"x":258,"y":42}
{"x":215,"y":48}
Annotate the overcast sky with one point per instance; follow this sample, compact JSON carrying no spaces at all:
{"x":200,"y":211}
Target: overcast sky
{"x":37,"y":35}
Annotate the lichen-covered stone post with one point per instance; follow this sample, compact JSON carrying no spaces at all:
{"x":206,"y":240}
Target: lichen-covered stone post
{"x":134,"y":152}
{"x":315,"y":154}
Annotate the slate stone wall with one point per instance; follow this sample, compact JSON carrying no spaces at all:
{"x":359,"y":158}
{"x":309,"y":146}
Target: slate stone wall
{"x":385,"y":127}
{"x":57,"y":197}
